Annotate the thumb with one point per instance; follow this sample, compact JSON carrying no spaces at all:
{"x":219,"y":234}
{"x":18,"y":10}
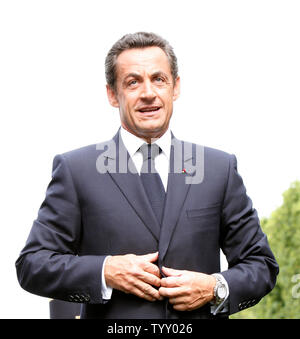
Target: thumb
{"x":171,"y":272}
{"x":151,"y":257}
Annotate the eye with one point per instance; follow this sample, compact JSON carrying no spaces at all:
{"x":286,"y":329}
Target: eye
{"x":159,"y":79}
{"x":132,"y":82}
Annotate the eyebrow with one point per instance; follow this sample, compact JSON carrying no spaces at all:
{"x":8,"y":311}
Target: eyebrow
{"x":138,"y":76}
{"x":160,"y":73}
{"x":132,"y":75}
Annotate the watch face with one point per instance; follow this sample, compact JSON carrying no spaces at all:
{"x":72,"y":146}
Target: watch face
{"x":221,"y":292}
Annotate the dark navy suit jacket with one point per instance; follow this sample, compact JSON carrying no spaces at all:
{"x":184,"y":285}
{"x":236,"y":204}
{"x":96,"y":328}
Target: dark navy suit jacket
{"x":89,"y":213}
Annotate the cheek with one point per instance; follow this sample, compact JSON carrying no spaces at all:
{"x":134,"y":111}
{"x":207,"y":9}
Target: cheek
{"x":127,"y":103}
{"x":167,"y":98}
{"x":130,"y":102}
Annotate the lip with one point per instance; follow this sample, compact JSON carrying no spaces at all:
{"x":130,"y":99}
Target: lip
{"x":151,"y":110}
{"x":150,"y":113}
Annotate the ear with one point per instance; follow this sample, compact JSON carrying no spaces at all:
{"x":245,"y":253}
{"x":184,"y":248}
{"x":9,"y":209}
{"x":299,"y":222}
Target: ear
{"x":112,"y":97}
{"x":176,"y":91}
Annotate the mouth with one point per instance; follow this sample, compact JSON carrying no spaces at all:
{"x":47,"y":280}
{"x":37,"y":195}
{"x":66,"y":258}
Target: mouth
{"x":149,"y":110}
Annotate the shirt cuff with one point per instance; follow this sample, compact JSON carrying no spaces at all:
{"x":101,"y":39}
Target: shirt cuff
{"x":106,"y":291}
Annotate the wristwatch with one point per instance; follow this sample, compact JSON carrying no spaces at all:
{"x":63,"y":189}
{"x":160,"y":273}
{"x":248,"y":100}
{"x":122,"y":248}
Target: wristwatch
{"x":220,"y":290}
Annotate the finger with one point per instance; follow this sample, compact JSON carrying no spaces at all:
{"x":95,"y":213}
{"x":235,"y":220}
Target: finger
{"x":181,"y":307}
{"x":150,"y":279}
{"x":151,"y":257}
{"x":151,"y":268}
{"x":171,"y":272}
{"x":136,"y":285}
{"x":179,"y":300}
{"x":139,"y":293}
{"x":148,"y":290}
{"x":171,"y":281}
{"x":171,"y":292}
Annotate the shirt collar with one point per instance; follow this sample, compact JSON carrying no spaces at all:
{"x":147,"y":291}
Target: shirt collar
{"x":133,"y":143}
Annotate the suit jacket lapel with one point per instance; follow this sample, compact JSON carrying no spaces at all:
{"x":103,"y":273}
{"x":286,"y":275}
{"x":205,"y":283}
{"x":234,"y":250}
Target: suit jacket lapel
{"x":123,"y":172}
{"x":180,"y":179}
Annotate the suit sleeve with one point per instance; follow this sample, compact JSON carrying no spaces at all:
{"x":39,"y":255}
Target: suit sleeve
{"x":252,"y":268}
{"x":49,"y":264}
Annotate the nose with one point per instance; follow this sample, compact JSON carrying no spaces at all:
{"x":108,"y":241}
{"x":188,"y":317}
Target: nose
{"x":148,"y":93}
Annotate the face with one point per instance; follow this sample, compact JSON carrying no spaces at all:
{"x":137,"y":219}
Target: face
{"x":145,"y":91}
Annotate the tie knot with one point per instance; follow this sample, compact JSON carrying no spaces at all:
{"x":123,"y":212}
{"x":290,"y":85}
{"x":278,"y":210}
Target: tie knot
{"x":150,"y":151}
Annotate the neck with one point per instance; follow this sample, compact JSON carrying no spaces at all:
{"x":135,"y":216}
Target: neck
{"x":148,"y":137}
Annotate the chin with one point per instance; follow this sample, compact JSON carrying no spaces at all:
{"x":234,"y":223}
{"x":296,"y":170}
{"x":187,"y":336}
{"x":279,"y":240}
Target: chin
{"x":151,"y":125}
{"x":152,"y":130}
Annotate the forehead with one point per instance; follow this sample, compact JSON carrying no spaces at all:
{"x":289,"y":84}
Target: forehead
{"x":141,"y":60}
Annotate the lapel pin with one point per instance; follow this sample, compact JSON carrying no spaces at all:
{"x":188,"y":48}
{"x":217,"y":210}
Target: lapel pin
{"x":183,"y":171}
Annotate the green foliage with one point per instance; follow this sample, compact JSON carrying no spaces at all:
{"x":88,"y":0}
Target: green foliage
{"x":283,"y":231}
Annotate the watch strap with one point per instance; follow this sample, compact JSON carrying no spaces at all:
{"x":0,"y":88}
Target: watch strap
{"x":219,"y":305}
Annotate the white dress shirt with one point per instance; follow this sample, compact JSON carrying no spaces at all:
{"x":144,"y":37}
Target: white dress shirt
{"x":132,"y":144}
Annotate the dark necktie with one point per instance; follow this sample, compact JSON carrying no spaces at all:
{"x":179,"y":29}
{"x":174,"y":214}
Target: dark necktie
{"x":151,"y":179}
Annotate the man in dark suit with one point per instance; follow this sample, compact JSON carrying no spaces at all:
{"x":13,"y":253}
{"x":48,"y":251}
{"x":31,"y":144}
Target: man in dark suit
{"x":132,"y":227}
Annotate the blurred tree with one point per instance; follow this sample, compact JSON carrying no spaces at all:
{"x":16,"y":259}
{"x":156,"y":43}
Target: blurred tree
{"x":283,"y":231}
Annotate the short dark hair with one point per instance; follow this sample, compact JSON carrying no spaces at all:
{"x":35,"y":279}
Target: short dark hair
{"x":137,"y":40}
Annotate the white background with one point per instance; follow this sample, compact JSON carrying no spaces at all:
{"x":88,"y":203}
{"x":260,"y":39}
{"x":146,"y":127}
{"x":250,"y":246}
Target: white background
{"x":239,"y":63}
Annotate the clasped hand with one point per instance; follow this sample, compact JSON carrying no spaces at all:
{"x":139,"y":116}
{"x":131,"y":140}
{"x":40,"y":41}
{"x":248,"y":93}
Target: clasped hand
{"x":137,"y":274}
